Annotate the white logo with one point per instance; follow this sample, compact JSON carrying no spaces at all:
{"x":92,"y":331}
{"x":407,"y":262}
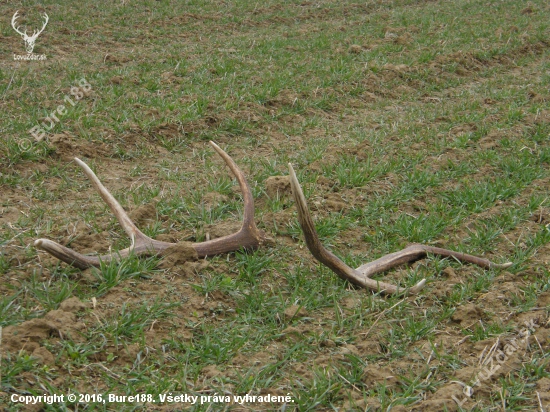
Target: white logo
{"x":29,"y":40}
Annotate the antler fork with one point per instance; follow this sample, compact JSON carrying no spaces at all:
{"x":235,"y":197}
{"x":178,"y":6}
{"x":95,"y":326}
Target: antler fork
{"x":248,"y":237}
{"x":362,"y":275}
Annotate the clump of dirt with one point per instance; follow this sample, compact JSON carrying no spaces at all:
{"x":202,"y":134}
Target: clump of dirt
{"x":90,"y":243}
{"x":294,"y":312}
{"x":9,"y":214}
{"x":292,"y":333}
{"x":373,"y":375}
{"x":211,"y":371}
{"x":214,"y":199}
{"x":284,"y":98}
{"x":178,"y":254}
{"x":258,"y":359}
{"x":166,"y":131}
{"x":43,"y":356}
{"x":441,"y":400}
{"x":116,"y":80}
{"x":67,"y":147}
{"x":491,"y":140}
{"x":369,"y":346}
{"x":72,"y":305}
{"x":222,"y":229}
{"x":467,"y":315}
{"x":334,"y":202}
{"x":59,"y":323}
{"x":182,"y":258}
{"x":355,"y":48}
{"x":143,"y":215}
{"x":278,"y":187}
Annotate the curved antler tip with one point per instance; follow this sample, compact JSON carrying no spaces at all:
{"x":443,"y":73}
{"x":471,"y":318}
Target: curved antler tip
{"x":87,"y":171}
{"x":506,"y":265}
{"x":293,"y":178}
{"x":218,"y":149}
{"x":419,"y":286}
{"x":46,"y":244}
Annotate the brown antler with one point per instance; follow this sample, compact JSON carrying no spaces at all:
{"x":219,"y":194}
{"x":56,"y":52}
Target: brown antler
{"x":361,"y":275}
{"x":248,"y":237}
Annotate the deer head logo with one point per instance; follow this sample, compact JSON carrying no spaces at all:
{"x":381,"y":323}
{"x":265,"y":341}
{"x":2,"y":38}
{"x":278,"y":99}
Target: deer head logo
{"x":29,"y":40}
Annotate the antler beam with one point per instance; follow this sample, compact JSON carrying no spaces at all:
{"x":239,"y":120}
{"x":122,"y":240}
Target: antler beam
{"x":248,"y":237}
{"x":362,"y":275}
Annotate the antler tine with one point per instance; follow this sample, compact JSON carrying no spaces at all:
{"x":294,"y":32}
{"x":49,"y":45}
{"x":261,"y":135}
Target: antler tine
{"x":248,"y":237}
{"x":416,"y":251}
{"x":140,"y":243}
{"x":248,"y":200}
{"x":131,"y":230}
{"x":326,"y":257}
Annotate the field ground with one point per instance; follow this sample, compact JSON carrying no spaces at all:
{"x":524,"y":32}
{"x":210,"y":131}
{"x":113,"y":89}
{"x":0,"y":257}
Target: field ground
{"x":406,"y":121}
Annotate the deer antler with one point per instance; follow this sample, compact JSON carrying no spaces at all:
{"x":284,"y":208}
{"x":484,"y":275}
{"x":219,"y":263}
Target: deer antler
{"x":248,"y":237}
{"x":362,"y":275}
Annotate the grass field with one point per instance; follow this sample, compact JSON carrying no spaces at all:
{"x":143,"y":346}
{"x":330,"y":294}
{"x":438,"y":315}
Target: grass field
{"x":406,"y":121}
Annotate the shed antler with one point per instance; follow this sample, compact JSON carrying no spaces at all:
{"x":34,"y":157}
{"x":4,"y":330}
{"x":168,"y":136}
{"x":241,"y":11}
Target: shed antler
{"x":362,"y":275}
{"x":248,"y":237}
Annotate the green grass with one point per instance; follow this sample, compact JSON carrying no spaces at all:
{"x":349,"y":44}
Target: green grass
{"x":405,"y":121}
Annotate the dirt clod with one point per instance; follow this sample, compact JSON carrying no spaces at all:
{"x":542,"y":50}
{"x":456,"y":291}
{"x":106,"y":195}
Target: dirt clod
{"x":467,"y":315}
{"x":143,"y":215}
{"x":44,"y":356}
{"x":178,"y":254}
{"x":73,"y":304}
{"x":277,"y":186}
{"x":294,"y":311}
